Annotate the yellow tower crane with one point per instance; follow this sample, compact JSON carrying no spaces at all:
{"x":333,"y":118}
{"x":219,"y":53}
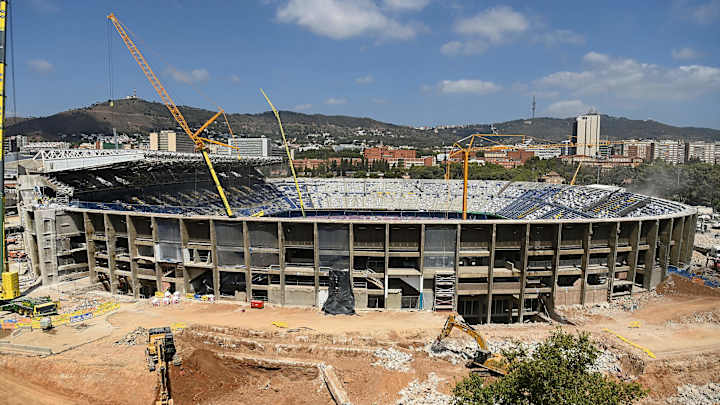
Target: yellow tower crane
{"x":174,"y":110}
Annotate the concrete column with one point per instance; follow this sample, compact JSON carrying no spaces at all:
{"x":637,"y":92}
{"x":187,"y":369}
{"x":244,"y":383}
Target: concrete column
{"x":634,"y":253}
{"x":387,"y":261}
{"x":524,"y":245}
{"x":652,"y":238}
{"x":132,"y":251}
{"x":110,"y":240}
{"x":457,"y":265}
{"x":248,"y":271}
{"x":90,"y":246}
{"x":612,"y":256}
{"x":491,"y":269}
{"x":664,"y":235}
{"x":351,"y":251}
{"x":281,"y":259}
{"x":158,"y":269}
{"x":214,"y":260}
{"x":585,"y":261}
{"x":316,"y":260}
{"x":557,"y":242}
{"x":184,"y":241}
{"x":688,"y":238}
{"x":677,"y":236}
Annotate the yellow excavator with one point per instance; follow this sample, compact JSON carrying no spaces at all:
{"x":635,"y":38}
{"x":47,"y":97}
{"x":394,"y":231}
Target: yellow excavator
{"x":484,"y":360}
{"x":160,"y":352}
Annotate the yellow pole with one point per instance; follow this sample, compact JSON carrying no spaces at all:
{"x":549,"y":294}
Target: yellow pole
{"x":287,"y":150}
{"x":465,"y":188}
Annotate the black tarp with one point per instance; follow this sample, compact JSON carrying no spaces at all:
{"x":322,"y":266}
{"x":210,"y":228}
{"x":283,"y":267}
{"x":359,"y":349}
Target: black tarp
{"x":340,"y":298}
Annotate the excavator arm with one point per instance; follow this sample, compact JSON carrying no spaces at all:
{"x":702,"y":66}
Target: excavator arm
{"x":174,"y":110}
{"x":484,"y":358}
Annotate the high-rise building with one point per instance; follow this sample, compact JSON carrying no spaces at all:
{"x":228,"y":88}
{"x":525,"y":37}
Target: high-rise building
{"x":669,"y":151}
{"x":170,"y":141}
{"x":703,"y":151}
{"x":586,"y":134}
{"x":637,"y":149}
{"x":251,"y":147}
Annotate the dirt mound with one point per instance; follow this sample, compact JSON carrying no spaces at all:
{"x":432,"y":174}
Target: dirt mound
{"x":676,"y":285}
{"x":206,"y":378}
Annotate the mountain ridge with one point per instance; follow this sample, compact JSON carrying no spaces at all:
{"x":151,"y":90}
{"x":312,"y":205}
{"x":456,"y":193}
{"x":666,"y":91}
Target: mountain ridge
{"x":141,"y":116}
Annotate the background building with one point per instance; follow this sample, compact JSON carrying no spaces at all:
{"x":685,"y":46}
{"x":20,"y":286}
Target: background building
{"x":170,"y":141}
{"x":586,"y":134}
{"x":251,"y":147}
{"x":669,"y":151}
{"x":703,"y":151}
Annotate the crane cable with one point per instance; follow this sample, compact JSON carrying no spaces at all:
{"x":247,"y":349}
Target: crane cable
{"x":11,"y":33}
{"x":287,"y":150}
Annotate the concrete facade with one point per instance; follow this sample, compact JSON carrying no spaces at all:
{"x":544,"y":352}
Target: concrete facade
{"x":487,"y":270}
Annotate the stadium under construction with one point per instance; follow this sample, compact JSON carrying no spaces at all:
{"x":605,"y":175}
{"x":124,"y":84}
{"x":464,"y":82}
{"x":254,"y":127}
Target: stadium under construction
{"x":140,"y":222}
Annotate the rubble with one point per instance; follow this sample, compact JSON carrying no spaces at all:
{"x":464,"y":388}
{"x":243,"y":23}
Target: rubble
{"x":135,"y":337}
{"x":424,"y":393}
{"x":392,"y":359}
{"x":456,"y":352}
{"x":708,"y":394}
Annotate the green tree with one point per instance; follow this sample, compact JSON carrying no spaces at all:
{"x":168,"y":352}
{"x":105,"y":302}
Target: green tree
{"x":557,"y":372}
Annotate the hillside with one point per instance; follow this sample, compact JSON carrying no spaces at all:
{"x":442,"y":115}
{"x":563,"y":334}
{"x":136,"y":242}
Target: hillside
{"x":140,"y":116}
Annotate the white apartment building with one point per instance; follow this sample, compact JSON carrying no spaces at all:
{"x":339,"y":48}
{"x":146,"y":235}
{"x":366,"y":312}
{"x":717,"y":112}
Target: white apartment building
{"x":586,"y":134}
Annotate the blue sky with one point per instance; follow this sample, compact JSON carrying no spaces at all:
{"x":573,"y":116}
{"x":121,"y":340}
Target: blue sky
{"x":414,"y":62}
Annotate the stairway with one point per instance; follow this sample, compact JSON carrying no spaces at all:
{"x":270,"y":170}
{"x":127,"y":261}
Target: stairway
{"x":444,"y":290}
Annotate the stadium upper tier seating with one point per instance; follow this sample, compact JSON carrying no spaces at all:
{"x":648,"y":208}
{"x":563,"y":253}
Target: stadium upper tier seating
{"x":250,"y":194}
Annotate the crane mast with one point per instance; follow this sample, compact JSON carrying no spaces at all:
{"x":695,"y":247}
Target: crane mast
{"x":174,"y":110}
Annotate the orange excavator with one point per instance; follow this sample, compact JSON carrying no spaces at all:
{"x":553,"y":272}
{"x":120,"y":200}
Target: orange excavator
{"x":484,"y":361}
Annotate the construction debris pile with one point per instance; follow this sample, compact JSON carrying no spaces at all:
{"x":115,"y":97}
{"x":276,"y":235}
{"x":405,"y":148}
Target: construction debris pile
{"x":135,"y":337}
{"x":708,"y":394}
{"x":424,"y":393}
{"x":710,"y":317}
{"x":458,"y":351}
{"x":392,"y":359}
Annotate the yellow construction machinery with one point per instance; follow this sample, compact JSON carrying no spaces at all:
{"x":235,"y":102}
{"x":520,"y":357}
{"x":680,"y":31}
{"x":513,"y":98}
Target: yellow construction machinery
{"x":483,"y":360}
{"x":174,"y":111}
{"x":572,"y":182}
{"x":160,"y":353}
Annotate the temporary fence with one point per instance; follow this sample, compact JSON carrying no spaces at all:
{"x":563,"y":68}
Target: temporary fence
{"x":697,"y":278}
{"x":62,"y":319}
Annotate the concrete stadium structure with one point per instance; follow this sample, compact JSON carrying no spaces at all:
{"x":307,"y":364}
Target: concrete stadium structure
{"x":526,"y":247}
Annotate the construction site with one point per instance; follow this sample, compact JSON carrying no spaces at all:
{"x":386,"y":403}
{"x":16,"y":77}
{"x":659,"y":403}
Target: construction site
{"x":138,"y":277}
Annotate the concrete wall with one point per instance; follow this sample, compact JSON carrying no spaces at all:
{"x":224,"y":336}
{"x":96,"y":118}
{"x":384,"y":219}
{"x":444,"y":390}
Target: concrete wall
{"x":631,"y":254}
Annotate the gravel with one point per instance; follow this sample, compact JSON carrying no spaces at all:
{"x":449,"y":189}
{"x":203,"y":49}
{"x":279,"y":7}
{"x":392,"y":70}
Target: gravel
{"x":135,"y":337}
{"x":424,"y":393}
{"x":708,"y":394}
{"x":393,"y":359}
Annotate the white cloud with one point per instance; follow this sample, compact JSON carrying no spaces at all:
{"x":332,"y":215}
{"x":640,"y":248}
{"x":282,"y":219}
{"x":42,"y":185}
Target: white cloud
{"x":194,"y":76}
{"x":685,"y":54}
{"x":302,"y":107}
{"x":409,"y":5}
{"x":567,"y":108}
{"x":706,"y":13}
{"x":595,"y":57}
{"x":341,"y":19}
{"x":558,"y":37}
{"x":336,"y":101}
{"x":630,"y":79}
{"x":501,"y":25}
{"x":470,"y":47}
{"x":235,"y":78}
{"x":365,"y":79}
{"x":468,"y":86}
{"x":40,"y":66}
{"x":494,"y":24}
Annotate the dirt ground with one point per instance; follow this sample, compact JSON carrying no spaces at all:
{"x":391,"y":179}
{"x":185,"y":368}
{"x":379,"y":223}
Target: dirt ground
{"x":235,"y":355}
